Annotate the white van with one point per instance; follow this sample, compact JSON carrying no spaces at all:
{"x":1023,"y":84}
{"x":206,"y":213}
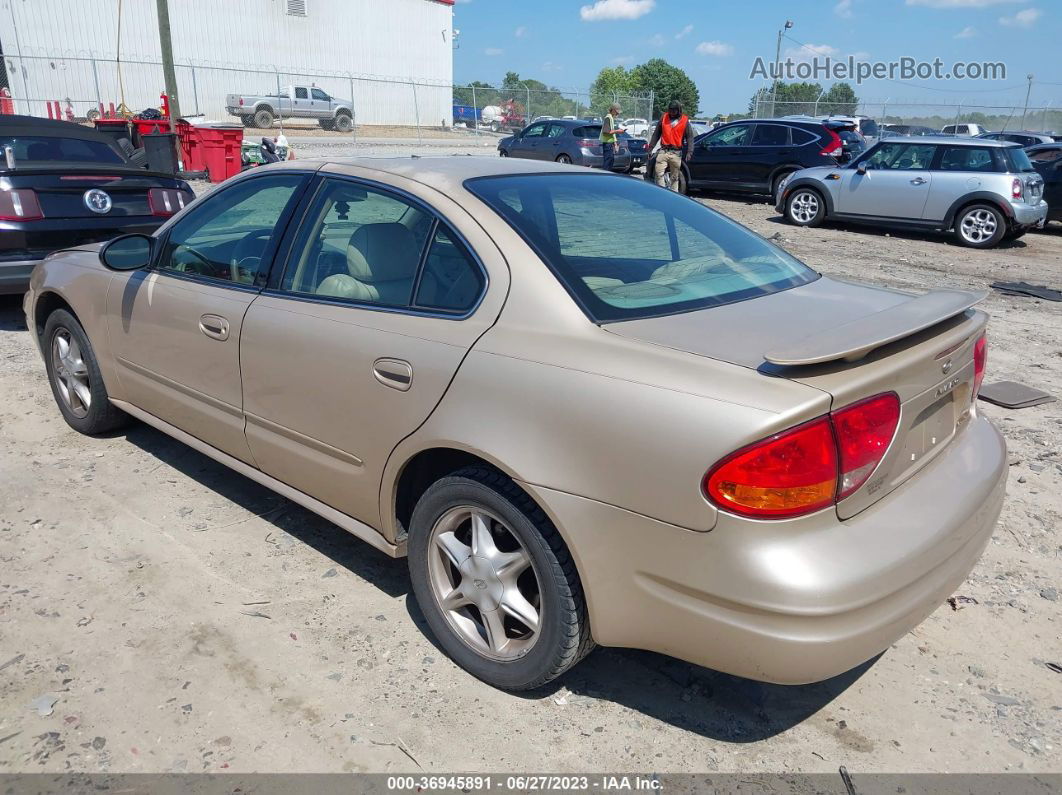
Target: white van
{"x":970,"y":130}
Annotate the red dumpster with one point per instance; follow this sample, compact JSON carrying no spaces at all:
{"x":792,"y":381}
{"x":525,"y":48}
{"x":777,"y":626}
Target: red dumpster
{"x":221,"y":149}
{"x":151,"y":126}
{"x":191,"y":146}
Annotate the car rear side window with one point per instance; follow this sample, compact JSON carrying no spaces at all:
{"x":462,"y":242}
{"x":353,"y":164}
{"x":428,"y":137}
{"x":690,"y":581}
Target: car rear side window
{"x":967,"y":158}
{"x":451,"y":280}
{"x":625,"y":249}
{"x":53,"y":149}
{"x":770,"y":135}
{"x":801,"y":137}
{"x":1017,"y":160}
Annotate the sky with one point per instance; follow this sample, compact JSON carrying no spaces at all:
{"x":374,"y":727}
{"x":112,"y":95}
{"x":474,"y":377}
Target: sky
{"x":566,"y":42}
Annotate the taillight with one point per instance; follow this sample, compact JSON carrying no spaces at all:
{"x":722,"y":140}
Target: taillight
{"x":589,"y":142}
{"x":241,"y":102}
{"x":808,"y":467}
{"x":1017,"y":187}
{"x":980,"y":357}
{"x":835,"y":146}
{"x":20,"y":205}
{"x":165,"y":201}
{"x":864,"y":432}
{"x":788,"y":474}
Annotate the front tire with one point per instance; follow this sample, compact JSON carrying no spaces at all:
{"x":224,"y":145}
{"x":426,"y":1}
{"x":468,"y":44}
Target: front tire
{"x":980,"y":226}
{"x":805,"y":207}
{"x":74,"y":376}
{"x":326,"y":124}
{"x":343,"y":123}
{"x":495,"y":581}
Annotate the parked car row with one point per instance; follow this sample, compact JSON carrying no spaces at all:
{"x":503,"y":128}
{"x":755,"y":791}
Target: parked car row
{"x":575,"y":141}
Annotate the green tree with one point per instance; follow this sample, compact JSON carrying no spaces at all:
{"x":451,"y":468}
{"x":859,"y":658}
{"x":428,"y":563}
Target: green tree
{"x":840,"y":100}
{"x":485,"y":94}
{"x":667,"y":83}
{"x":610,"y":84}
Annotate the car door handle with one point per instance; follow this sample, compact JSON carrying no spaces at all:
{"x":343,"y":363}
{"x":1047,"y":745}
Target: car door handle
{"x":214,"y":326}
{"x":919,"y":181}
{"x":395,"y":373}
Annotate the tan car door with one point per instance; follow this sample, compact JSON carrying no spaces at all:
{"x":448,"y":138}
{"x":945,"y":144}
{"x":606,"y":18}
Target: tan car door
{"x":379,"y":303}
{"x":175,"y":328}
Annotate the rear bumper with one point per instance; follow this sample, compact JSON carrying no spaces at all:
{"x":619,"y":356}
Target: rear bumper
{"x":1029,"y":214}
{"x":15,"y":276}
{"x":786,"y":603}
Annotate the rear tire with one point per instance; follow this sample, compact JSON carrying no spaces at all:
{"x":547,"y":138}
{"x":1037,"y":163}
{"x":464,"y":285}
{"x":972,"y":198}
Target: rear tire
{"x":516,"y":528}
{"x":343,"y":123}
{"x":565,"y":159}
{"x":494,"y":126}
{"x":263,"y":119}
{"x":74,"y":376}
{"x":805,"y":207}
{"x":980,"y":226}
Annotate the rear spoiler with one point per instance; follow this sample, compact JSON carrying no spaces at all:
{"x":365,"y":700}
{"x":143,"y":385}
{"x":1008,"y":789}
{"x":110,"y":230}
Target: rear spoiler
{"x":852,"y":341}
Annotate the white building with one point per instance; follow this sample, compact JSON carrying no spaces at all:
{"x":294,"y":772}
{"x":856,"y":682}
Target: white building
{"x":393,"y":57}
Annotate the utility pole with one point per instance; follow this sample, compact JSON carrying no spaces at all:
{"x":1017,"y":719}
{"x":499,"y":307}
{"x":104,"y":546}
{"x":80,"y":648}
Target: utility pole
{"x":1028,"y":91}
{"x":168,"y":72}
{"x":778,"y":65}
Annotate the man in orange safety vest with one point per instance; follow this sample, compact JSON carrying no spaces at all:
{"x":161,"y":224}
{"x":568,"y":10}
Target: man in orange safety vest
{"x":675,"y":135}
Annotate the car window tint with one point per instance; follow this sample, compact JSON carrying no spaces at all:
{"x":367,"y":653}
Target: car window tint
{"x":319,"y":94}
{"x":451,"y":281}
{"x":300,"y":93}
{"x":626,"y":249}
{"x":738,"y":135}
{"x":967,"y":158}
{"x":801,"y":137}
{"x":535,"y":131}
{"x":899,"y":156}
{"x":1017,"y":159}
{"x":226,"y":236}
{"x":358,"y":244}
{"x":770,"y":135}
{"x":50,"y":149}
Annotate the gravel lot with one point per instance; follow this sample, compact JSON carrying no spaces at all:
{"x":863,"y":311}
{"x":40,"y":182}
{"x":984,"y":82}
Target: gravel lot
{"x":161,"y":613}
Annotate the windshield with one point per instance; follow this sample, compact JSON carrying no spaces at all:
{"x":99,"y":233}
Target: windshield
{"x":45,"y":149}
{"x":626,"y":249}
{"x":1017,"y":159}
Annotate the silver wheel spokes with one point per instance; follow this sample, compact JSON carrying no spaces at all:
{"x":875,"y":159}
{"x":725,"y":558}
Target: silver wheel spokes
{"x":978,"y":226}
{"x":71,"y":373}
{"x":484,"y":581}
{"x":804,"y":207}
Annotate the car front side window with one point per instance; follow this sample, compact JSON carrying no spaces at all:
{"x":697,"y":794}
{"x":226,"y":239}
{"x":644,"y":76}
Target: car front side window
{"x":228,"y":235}
{"x":900,"y":157}
{"x":738,"y":135}
{"x":534,"y":131}
{"x":319,"y":94}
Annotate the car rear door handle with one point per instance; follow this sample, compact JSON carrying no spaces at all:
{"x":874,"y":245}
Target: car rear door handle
{"x":395,"y":373}
{"x":214,"y":326}
{"x":919,"y":181}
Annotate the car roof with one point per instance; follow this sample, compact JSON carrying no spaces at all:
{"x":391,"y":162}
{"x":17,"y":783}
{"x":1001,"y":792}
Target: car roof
{"x":950,"y":141}
{"x":31,"y":125}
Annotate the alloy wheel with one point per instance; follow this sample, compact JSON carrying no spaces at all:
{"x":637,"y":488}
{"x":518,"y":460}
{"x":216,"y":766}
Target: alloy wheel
{"x":485,"y":583}
{"x":804,"y":207}
{"x":71,"y":373}
{"x":978,"y":226}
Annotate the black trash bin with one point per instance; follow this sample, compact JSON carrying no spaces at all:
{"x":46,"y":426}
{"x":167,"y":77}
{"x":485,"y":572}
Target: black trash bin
{"x":161,"y":149}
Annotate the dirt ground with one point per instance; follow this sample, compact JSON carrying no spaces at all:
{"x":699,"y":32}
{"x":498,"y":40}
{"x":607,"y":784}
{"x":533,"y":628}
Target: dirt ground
{"x":161,"y":613}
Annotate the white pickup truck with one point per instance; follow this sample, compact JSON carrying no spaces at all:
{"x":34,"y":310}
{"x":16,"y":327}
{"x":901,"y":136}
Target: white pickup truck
{"x":294,"y":102}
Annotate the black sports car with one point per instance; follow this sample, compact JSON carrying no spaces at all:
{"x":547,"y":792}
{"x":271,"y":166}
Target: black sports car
{"x":62,"y":184}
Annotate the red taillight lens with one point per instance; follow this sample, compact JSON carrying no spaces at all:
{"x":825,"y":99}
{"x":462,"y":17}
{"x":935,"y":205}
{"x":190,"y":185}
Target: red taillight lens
{"x":20,"y":205}
{"x":1016,"y":188}
{"x":809,"y":467}
{"x":589,"y":142}
{"x":835,"y":146}
{"x":164,"y":201}
{"x":864,"y":432}
{"x":789,"y":474}
{"x":980,"y":357}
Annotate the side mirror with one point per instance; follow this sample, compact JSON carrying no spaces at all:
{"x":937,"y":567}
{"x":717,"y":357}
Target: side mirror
{"x":861,"y":168}
{"x":127,"y":253}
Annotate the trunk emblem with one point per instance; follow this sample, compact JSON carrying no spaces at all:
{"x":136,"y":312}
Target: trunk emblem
{"x":946,"y":367}
{"x":98,"y":201}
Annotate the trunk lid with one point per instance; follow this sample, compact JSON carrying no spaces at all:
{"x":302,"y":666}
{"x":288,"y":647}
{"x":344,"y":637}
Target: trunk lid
{"x":61,"y":192}
{"x":850,"y":341}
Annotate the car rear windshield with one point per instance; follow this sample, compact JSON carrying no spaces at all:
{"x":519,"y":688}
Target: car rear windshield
{"x":592,"y":131}
{"x":626,"y":249}
{"x":1017,"y":160}
{"x":48,"y":149}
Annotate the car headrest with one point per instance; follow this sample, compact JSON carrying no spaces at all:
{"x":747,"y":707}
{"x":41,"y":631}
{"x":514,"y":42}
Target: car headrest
{"x":383,"y":252}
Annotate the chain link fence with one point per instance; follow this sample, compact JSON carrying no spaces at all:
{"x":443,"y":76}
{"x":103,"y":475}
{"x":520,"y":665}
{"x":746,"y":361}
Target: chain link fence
{"x":80,"y":88}
{"x":923,"y":114}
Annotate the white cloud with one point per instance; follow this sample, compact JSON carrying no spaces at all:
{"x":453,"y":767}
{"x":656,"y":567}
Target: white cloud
{"x":493,"y":51}
{"x":960,"y":3}
{"x":622,"y":60}
{"x":549,"y":66}
{"x":616,"y":9}
{"x":686,"y":31}
{"x":1023,"y":19}
{"x":520,"y":32}
{"x":809,"y":51}
{"x":657,"y":40}
{"x":716,"y":48}
{"x":966,"y":33}
{"x":843,"y":9}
